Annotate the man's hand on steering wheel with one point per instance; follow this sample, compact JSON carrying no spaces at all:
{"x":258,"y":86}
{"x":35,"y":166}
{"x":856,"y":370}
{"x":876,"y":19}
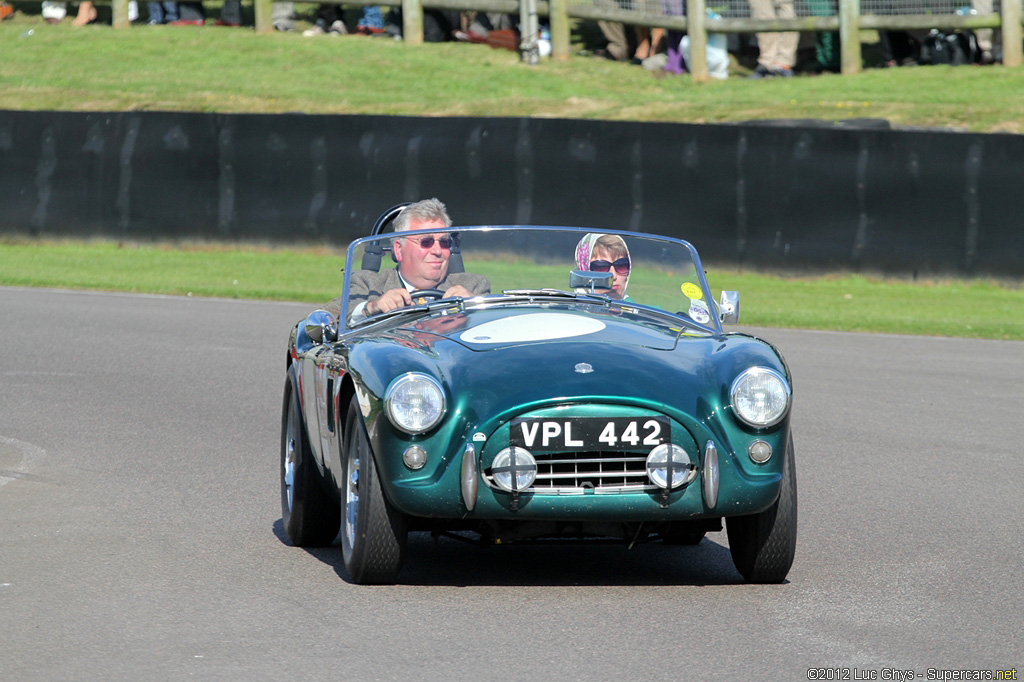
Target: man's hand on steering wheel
{"x":389,"y":300}
{"x":401,"y":297}
{"x":421,"y":296}
{"x":458,"y":290}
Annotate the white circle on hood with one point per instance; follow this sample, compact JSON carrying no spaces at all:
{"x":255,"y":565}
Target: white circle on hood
{"x":532,"y":327}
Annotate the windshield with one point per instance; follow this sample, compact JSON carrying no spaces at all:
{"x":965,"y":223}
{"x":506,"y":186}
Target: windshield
{"x":490,"y":266}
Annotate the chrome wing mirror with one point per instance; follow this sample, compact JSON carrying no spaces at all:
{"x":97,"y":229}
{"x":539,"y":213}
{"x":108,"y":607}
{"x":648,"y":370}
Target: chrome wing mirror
{"x":729,"y":308}
{"x":321,"y":327}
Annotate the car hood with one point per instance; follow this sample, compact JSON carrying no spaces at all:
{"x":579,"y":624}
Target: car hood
{"x":629,"y":359}
{"x":503,"y":328}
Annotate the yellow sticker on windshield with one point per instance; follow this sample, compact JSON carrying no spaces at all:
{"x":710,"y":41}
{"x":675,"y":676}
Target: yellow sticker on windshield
{"x":691,"y":290}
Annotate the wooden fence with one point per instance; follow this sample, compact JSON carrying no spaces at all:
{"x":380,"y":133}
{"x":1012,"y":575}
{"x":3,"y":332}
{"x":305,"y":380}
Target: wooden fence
{"x":847,"y":22}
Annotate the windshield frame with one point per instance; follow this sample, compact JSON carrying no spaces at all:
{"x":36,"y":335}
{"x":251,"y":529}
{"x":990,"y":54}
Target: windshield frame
{"x":355,"y":250}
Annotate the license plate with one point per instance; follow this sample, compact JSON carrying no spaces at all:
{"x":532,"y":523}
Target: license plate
{"x":590,"y":433}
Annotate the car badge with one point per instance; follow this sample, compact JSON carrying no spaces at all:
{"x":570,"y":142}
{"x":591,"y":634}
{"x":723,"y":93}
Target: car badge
{"x":584,"y":368}
{"x":479,"y":437}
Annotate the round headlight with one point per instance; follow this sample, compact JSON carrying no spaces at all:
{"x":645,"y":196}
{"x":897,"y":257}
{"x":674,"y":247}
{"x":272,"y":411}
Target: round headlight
{"x":414,"y":402}
{"x":760,"y":396}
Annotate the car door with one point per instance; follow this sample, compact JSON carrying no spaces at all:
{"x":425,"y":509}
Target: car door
{"x":314,"y":400}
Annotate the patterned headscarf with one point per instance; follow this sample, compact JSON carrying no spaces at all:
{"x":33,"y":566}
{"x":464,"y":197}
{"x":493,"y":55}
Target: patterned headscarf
{"x":585,"y":250}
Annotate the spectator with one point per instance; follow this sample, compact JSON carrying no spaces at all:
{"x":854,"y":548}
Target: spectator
{"x":328,"y":21}
{"x":482,"y":23}
{"x":54,"y":11}
{"x":230,"y":14}
{"x":618,"y":47}
{"x":634,"y":45}
{"x":6,"y":11}
{"x":649,"y":41}
{"x":163,"y":12}
{"x":989,"y":40}
{"x":675,"y":63}
{"x":439,"y":25}
{"x":900,"y":48}
{"x":282,"y":16}
{"x":371,"y":22}
{"x":777,"y":51}
{"x":496,"y":30}
{"x":86,"y":14}
{"x":190,"y":14}
{"x":826,"y":43}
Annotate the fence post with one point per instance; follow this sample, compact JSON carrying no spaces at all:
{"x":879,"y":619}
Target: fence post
{"x":1012,"y":34}
{"x":264,"y":15}
{"x":119,"y":14}
{"x":696,"y":14}
{"x":849,"y":36}
{"x":528,"y":28}
{"x":412,"y":22}
{"x":559,"y":26}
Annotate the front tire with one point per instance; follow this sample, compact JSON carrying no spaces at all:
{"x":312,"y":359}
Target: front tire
{"x":310,"y":517}
{"x":763,"y":545}
{"x":373,"y":533}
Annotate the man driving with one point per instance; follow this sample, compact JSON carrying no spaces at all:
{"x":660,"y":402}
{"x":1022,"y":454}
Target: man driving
{"x":422,"y":264}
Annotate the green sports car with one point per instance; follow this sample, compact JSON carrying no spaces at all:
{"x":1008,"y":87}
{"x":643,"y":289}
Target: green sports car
{"x":577,"y":384}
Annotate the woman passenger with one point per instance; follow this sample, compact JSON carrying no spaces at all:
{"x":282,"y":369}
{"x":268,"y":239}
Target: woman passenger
{"x":604,"y":253}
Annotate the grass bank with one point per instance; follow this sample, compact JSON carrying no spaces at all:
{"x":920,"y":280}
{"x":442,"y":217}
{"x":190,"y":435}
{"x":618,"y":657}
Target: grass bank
{"x":961,"y":308}
{"x":218,"y":69}
{"x":214,"y":69}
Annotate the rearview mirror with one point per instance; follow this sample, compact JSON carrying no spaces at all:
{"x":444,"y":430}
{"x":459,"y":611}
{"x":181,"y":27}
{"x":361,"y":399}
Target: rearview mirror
{"x":589,"y":281}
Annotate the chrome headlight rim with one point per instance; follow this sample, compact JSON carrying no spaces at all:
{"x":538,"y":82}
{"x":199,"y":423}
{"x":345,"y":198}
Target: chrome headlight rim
{"x":399,"y":383}
{"x":760,"y":371}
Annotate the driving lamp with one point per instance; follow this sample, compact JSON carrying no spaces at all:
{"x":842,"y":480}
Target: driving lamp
{"x":414,"y":402}
{"x":658,"y":466}
{"x":514,"y":469}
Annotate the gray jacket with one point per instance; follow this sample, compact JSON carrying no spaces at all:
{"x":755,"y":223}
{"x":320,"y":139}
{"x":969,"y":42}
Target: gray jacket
{"x":368,"y":284}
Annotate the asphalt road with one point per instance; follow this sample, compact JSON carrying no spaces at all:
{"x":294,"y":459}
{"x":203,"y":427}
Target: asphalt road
{"x":140,"y":532}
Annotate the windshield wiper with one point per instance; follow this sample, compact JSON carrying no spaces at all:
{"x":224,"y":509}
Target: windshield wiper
{"x":552,"y":293}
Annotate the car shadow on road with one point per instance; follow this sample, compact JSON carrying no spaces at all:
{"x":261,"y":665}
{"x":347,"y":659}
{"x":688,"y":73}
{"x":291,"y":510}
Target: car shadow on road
{"x":444,"y":561}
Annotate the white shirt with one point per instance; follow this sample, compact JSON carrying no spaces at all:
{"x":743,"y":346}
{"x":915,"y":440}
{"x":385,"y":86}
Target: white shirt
{"x":359,"y":312}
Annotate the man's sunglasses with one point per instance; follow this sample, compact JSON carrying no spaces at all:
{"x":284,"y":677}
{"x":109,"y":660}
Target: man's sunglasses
{"x":428,"y":242}
{"x":621,"y":266}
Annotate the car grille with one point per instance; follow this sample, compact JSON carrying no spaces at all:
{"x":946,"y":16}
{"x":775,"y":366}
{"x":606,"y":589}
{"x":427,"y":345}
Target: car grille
{"x":576,"y":473}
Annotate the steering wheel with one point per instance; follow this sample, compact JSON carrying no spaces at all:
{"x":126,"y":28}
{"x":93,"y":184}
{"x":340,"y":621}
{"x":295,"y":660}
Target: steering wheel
{"x":428,"y":294}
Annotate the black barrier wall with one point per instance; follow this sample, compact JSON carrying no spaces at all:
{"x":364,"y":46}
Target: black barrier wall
{"x":761,"y":195}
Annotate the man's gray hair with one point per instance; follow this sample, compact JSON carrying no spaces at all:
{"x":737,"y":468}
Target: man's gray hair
{"x":427,"y":210}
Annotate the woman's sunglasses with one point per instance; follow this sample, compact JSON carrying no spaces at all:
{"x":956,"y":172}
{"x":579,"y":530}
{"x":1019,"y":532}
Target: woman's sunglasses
{"x":428,"y":242}
{"x":621,"y":266}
